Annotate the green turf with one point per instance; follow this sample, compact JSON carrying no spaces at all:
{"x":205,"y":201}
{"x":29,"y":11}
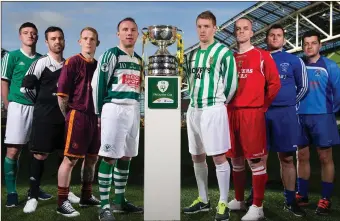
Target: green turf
{"x":273,"y":195}
{"x":272,"y":207}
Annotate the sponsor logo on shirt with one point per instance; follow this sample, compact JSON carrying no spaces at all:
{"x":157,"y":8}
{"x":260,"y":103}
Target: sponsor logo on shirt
{"x":199,"y":71}
{"x":131,"y":80}
{"x":314,"y":84}
{"x":21,"y":63}
{"x":243,"y":73}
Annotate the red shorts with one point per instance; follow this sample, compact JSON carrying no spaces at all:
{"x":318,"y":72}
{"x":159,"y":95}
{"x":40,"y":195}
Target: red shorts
{"x":247,"y":133}
{"x":82,"y":135}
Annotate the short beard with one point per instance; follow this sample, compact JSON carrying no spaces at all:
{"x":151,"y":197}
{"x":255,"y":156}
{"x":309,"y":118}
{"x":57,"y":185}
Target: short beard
{"x":274,"y":48}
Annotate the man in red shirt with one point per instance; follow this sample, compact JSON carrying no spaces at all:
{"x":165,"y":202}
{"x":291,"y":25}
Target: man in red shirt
{"x":258,"y":85}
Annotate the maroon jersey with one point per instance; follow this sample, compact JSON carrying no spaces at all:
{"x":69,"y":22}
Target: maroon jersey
{"x":75,"y":82}
{"x":258,"y":79}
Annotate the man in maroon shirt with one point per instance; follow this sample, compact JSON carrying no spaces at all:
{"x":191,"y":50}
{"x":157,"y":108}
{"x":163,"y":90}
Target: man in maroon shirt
{"x":258,"y":85}
{"x":82,"y":132}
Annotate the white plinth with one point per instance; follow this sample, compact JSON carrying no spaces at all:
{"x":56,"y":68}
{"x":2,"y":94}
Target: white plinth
{"x":162,"y":161}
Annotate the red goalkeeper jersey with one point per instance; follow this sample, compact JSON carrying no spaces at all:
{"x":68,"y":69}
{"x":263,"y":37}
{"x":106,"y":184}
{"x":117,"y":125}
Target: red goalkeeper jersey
{"x":258,"y":79}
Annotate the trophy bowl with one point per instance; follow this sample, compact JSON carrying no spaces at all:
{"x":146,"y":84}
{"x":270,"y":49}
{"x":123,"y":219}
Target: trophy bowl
{"x":162,"y":63}
{"x":162,"y":35}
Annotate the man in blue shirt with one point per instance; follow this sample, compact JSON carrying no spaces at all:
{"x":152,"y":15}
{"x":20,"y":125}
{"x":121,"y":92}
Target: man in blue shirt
{"x":281,"y":117}
{"x":317,"y":118}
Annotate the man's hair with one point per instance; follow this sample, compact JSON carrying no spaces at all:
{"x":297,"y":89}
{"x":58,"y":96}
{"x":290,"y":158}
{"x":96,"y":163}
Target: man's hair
{"x":244,"y":18}
{"x":53,"y":29}
{"x":27,"y":25}
{"x":126,"y":19}
{"x":275,"y":26}
{"x":91,"y":30}
{"x":207,"y":15}
{"x":310,"y":34}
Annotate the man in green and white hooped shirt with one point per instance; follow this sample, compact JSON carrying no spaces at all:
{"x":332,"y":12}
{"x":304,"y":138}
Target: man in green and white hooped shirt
{"x":116,"y":90}
{"x":212,"y":78}
{"x":14,"y":66}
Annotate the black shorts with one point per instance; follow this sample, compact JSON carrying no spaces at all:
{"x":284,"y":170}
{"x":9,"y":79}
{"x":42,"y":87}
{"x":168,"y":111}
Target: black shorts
{"x":47,"y":137}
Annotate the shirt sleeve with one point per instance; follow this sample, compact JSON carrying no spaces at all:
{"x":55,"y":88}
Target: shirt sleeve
{"x":301,"y":80}
{"x":230,"y":79}
{"x":272,"y":79}
{"x":101,"y":77}
{"x":7,"y":66}
{"x":31,"y":79}
{"x":334,"y":75}
{"x":66,"y":78}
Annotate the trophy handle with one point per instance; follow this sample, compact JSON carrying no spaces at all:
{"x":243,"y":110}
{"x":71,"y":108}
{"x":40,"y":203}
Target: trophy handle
{"x":143,"y":29}
{"x":179,"y":30}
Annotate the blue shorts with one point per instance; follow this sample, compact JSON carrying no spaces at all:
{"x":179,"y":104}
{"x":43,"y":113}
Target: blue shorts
{"x":318,"y":129}
{"x":282,"y":129}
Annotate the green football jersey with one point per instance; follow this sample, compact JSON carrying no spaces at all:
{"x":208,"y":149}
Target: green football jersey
{"x":117,"y":79}
{"x":212,"y":76}
{"x":14,"y":66}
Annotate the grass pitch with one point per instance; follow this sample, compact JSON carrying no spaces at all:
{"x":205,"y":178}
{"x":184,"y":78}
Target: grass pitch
{"x":273,"y":205}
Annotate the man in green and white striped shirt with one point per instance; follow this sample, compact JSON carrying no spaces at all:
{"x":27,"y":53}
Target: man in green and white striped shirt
{"x":212,"y":78}
{"x":116,"y":89}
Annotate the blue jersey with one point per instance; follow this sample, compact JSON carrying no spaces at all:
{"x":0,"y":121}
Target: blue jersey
{"x":324,"y":88}
{"x":293,"y":76}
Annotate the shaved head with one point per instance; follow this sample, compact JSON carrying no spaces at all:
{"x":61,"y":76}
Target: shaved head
{"x":250,"y":23}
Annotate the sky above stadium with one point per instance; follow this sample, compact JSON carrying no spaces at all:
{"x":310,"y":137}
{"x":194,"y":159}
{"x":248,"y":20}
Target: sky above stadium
{"x":104,"y":16}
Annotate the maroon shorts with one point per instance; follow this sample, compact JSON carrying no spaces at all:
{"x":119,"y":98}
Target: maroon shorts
{"x":82,"y":134}
{"x":247,"y":133}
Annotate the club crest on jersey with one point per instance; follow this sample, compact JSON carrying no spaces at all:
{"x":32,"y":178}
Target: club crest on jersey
{"x":104,"y":67}
{"x":211,"y":60}
{"x":284,"y":67}
{"x":239,"y":63}
{"x":162,"y":86}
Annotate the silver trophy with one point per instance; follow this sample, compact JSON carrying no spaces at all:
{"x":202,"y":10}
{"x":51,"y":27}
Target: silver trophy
{"x":162,"y":63}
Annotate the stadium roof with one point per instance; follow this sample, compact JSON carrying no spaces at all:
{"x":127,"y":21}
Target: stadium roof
{"x":3,"y":52}
{"x":295,"y":17}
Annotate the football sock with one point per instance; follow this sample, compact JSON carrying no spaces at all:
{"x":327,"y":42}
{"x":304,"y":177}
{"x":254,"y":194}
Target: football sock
{"x":201,"y":174}
{"x":223,"y":178}
{"x":120,"y":177}
{"x":104,"y":181}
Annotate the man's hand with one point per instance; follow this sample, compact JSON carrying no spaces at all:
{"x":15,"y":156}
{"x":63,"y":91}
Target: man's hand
{"x":4,"y":93}
{"x":98,"y":124}
{"x":6,"y":104}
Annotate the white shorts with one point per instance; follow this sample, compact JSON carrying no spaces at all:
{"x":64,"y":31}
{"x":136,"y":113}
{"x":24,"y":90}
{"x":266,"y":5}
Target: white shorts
{"x":19,"y":123}
{"x":119,"y":130}
{"x":208,"y":130}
